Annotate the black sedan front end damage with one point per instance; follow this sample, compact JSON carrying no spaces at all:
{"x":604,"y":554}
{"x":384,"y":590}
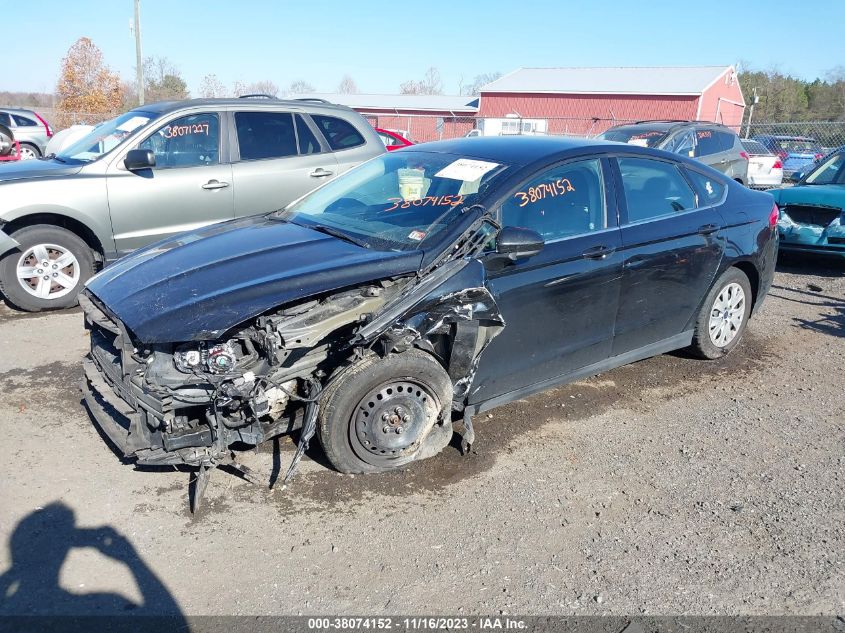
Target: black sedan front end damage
{"x":189,"y":403}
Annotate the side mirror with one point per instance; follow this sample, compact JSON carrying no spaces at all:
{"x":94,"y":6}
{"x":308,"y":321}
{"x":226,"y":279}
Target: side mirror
{"x":516,"y":242}
{"x":139,"y":159}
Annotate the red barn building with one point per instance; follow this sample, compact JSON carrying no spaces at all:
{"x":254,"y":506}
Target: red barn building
{"x":586,"y":101}
{"x":417,"y":117}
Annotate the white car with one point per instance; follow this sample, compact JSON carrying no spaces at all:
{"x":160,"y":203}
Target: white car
{"x":764,"y":168}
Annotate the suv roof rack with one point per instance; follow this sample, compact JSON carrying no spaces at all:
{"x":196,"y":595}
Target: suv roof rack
{"x":256,"y":95}
{"x":663,"y":121}
{"x":313,"y":99}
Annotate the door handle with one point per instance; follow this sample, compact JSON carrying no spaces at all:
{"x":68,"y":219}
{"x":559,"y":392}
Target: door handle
{"x":320,"y":173}
{"x":215,"y":184}
{"x":597,"y":252}
{"x":707,"y":229}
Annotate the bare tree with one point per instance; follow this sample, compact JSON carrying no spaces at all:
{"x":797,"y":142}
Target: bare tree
{"x":264,"y":87}
{"x":211,"y":87}
{"x":163,"y":80}
{"x":430,"y":84}
{"x":479,"y":82}
{"x":347,"y":86}
{"x":300,"y":86}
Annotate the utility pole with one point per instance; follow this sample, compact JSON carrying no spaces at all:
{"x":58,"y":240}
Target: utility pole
{"x":138,"y":58}
{"x":754,"y":101}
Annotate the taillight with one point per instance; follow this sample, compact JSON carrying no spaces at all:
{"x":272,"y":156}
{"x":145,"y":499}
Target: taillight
{"x":778,"y":164}
{"x":46,"y":125}
{"x":744,"y":155}
{"x":773,"y":217}
{"x":818,"y":156}
{"x":782,"y":155}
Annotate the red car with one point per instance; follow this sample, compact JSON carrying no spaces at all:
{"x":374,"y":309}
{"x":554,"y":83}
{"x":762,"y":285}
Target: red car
{"x":392,"y":140}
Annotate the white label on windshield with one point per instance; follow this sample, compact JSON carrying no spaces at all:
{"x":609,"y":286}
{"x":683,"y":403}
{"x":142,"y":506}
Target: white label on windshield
{"x":132,"y":124}
{"x":641,"y":142}
{"x":466,"y":169}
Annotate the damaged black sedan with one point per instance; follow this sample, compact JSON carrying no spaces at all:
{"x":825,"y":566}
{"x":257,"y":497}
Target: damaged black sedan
{"x":423,"y":286}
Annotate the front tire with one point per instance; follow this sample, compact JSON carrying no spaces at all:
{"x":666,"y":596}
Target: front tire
{"x":723,"y":316}
{"x":47,"y":270}
{"x":380,"y":413}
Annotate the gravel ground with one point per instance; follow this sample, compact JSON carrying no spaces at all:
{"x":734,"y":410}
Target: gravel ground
{"x":672,"y":486}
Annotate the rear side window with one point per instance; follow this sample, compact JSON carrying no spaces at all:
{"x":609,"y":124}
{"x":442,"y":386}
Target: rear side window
{"x":707,"y":143}
{"x":5,"y":119}
{"x":710,"y":190}
{"x":654,"y":189}
{"x":339,"y":133}
{"x":307,"y":142}
{"x":265,"y":135}
{"x":725,"y":140}
{"x":22,"y":121}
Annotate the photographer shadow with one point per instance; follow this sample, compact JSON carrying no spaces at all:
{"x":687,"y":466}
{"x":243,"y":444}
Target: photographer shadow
{"x":39,"y":546}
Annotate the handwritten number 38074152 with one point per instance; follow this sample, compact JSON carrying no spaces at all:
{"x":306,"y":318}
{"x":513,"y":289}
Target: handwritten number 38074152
{"x":559,"y":187}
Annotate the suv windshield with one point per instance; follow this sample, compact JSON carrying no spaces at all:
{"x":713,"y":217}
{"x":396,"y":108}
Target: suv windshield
{"x":799,"y":145}
{"x":635,"y":136}
{"x":106,"y":136}
{"x":396,"y":201}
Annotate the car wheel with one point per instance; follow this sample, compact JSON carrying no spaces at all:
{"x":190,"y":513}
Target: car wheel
{"x":724,"y":315}
{"x":29,"y":152}
{"x":381,"y":413}
{"x":47,"y":270}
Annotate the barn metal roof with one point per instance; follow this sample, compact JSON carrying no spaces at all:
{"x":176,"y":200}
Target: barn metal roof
{"x":661,"y":80}
{"x":447,"y":103}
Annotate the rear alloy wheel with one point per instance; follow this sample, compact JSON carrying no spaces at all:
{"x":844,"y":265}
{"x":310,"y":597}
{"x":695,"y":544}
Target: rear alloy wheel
{"x":381,"y":413}
{"x":29,"y":152}
{"x":47,"y":271}
{"x":724,"y":315}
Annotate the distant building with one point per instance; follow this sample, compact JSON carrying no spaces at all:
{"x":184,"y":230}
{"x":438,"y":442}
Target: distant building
{"x":417,"y":117}
{"x":586,"y":101}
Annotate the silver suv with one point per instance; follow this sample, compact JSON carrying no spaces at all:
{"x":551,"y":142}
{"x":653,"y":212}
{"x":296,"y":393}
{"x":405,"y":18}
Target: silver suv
{"x":162,"y":169}
{"x":29,"y":129}
{"x":711,"y":143}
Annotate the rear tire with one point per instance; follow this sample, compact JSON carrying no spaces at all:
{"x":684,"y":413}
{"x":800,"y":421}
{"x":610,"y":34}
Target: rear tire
{"x":28,"y":284}
{"x":29,"y":152}
{"x":723,"y":316}
{"x":378,"y":414}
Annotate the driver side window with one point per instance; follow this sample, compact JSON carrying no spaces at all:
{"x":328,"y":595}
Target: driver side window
{"x":189,"y":141}
{"x":564,"y":201}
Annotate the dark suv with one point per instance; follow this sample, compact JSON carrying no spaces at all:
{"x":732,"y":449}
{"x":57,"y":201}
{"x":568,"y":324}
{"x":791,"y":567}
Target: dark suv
{"x":711,"y":143}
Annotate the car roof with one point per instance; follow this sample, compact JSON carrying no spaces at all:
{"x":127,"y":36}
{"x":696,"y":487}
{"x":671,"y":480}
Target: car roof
{"x":516,"y":149}
{"x":166,"y":107}
{"x":17,"y":110}
{"x":667,"y":125}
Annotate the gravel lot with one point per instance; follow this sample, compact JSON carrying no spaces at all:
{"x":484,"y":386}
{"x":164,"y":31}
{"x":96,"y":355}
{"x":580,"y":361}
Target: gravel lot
{"x":672,"y":486}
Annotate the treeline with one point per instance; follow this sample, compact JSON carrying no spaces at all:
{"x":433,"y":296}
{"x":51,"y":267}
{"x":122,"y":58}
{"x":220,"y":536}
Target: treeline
{"x":785,"y":98}
{"x":24,"y":99}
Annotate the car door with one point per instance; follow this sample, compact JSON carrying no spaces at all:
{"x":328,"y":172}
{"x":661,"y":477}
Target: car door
{"x":189,"y":187}
{"x":346,"y":141}
{"x":671,"y":248}
{"x":560,"y":305}
{"x":278,"y":158}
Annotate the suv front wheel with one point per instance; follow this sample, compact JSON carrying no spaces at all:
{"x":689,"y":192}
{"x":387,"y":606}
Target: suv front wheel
{"x":48,"y":269}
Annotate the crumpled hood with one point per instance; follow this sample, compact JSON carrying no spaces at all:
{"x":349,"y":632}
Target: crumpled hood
{"x":199,"y":284}
{"x":21,"y":169}
{"x":827,"y":195}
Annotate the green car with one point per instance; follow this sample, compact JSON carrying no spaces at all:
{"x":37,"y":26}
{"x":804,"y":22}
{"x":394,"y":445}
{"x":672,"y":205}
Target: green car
{"x":812,"y":213}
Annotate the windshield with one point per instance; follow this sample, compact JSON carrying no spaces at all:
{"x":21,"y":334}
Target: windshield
{"x":106,"y":136}
{"x":398,"y":200}
{"x":635,"y":136}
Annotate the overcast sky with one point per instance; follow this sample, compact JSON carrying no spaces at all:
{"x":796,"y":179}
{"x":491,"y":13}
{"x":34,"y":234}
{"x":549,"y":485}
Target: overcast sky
{"x":381,"y":43}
